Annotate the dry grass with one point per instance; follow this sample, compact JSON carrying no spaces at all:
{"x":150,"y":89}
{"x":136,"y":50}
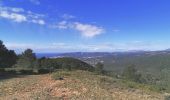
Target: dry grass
{"x":77,"y":85}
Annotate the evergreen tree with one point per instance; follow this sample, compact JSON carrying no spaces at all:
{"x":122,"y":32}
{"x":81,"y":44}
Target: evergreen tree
{"x":2,"y":47}
{"x":27,"y":60}
{"x":7,"y":57}
{"x":99,"y":68}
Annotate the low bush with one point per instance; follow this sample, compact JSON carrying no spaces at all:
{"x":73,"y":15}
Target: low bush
{"x":2,"y":70}
{"x":43,"y":71}
{"x":10,"y":71}
{"x":167,"y":97}
{"x":26,"y":72}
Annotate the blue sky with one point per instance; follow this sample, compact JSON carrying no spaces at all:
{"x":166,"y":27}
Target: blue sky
{"x":85,"y":25}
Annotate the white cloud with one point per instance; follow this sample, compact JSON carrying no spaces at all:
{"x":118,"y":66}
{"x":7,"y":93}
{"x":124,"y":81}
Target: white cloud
{"x":39,"y":21}
{"x":17,"y":10}
{"x":88,"y":30}
{"x":20,"y":15}
{"x":12,"y":9}
{"x":13,"y":16}
{"x":12,"y":13}
{"x":36,"y":18}
{"x":34,"y":15}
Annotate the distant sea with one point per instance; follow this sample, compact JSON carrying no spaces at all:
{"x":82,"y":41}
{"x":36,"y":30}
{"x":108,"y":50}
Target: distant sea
{"x":48,"y":55}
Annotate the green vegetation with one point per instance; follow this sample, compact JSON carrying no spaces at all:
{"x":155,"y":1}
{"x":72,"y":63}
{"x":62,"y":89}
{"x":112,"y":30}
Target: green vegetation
{"x":130,"y":73}
{"x":64,"y":63}
{"x":150,"y":68}
{"x":27,"y":63}
{"x":7,"y":57}
{"x":104,"y":80}
{"x":99,"y":68}
{"x":101,"y":87}
{"x":26,"y":60}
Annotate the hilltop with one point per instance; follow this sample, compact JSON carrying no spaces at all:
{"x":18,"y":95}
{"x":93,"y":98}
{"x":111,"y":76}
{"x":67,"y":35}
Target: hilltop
{"x":74,"y":85}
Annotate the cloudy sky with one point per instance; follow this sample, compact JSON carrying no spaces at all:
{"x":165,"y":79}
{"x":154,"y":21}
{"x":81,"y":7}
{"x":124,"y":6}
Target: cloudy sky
{"x":85,"y":25}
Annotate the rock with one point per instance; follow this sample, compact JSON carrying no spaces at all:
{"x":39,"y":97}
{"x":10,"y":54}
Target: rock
{"x":60,"y":78}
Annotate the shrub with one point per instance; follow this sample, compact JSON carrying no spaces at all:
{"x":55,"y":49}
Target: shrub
{"x":43,"y":71}
{"x":167,"y":97}
{"x":26,"y":72}
{"x":2,"y":70}
{"x":11,"y":71}
{"x":27,"y":60}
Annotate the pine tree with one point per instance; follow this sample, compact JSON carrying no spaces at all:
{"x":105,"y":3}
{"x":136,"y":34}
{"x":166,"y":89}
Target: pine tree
{"x":27,"y":60}
{"x":7,"y":57}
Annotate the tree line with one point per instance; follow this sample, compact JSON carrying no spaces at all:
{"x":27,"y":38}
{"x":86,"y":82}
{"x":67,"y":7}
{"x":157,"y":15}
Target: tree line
{"x":27,"y":62}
